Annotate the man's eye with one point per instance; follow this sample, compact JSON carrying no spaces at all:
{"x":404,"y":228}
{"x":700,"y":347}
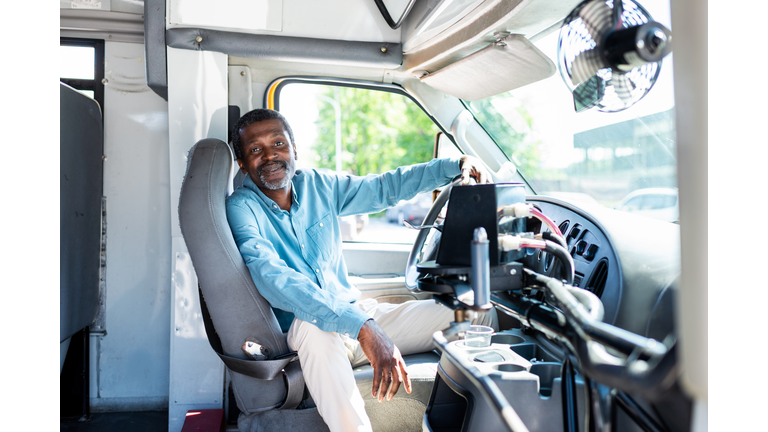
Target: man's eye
{"x":255,"y":149}
{"x":278,"y":144}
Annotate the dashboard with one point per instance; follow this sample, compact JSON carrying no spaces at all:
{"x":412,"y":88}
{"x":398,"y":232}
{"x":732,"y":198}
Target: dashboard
{"x":631,"y":262}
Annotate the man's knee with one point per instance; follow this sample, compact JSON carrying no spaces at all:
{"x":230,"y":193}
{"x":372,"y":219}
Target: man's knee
{"x":301,"y":333}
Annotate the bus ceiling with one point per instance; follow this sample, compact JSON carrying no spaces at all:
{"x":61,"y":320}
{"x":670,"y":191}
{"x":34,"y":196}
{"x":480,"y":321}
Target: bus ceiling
{"x":451,"y":46}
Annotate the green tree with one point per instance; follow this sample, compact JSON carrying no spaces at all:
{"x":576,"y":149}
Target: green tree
{"x":380,"y":131}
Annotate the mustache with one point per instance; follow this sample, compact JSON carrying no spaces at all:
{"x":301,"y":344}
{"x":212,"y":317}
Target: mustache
{"x":283,"y":163}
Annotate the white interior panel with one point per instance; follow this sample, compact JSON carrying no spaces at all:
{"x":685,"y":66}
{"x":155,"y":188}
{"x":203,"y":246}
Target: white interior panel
{"x":327,"y":19}
{"x":376,"y":258}
{"x":240,"y":88}
{"x":235,"y":14}
{"x":197,"y":109}
{"x":129,"y":365}
{"x":377,"y":270}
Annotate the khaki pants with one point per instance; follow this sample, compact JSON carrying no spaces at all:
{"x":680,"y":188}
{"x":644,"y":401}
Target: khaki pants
{"x":327,"y":358}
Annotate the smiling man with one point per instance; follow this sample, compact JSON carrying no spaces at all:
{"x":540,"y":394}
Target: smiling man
{"x":285,"y":223}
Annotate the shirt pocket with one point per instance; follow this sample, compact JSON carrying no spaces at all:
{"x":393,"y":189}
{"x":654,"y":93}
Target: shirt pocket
{"x":321,"y":235}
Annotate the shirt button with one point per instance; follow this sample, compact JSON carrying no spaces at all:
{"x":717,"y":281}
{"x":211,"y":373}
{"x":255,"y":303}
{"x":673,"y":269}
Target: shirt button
{"x":321,"y":224}
{"x":314,"y":321}
{"x":317,"y":270}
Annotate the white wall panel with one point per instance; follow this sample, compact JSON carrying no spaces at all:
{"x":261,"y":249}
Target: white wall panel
{"x":197,"y":109}
{"x":240,"y":88}
{"x":236,"y":14}
{"x":129,"y":365}
{"x":328,"y":19}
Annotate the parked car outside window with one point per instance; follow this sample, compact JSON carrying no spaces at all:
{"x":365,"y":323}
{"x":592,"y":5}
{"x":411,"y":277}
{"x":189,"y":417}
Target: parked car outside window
{"x":658,"y":203}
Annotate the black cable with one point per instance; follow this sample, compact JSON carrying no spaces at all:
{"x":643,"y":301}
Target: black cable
{"x":565,"y":258}
{"x":570,"y":409}
{"x":638,"y":414}
{"x":549,"y":235}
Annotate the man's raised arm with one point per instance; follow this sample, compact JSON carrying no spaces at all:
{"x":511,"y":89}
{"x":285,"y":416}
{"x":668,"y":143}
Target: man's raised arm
{"x":373,"y":193}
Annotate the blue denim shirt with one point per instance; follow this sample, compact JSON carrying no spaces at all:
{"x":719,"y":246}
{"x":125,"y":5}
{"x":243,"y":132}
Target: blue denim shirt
{"x":295,"y":257}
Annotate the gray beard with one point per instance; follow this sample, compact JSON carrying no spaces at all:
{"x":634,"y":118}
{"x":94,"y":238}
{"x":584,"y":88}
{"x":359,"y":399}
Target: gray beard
{"x":277,"y":185}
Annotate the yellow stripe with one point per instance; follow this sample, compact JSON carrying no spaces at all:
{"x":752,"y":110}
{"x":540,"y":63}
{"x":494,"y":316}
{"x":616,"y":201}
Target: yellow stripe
{"x":271,"y":94}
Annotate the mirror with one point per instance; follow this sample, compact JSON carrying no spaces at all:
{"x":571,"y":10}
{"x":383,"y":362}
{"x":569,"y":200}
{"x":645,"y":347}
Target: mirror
{"x":394,"y":11}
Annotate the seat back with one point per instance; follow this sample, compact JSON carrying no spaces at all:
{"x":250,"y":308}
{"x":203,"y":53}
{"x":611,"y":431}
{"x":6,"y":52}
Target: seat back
{"x":236,"y":309}
{"x":80,"y":188}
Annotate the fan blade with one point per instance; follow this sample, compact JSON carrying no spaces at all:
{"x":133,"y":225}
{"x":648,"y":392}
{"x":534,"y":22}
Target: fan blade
{"x":618,"y":10}
{"x":588,"y":94}
{"x":596,"y":16}
{"x":623,"y":87}
{"x":585,"y":66}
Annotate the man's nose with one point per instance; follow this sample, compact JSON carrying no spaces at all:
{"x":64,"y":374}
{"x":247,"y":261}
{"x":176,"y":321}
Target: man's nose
{"x":270,"y":153}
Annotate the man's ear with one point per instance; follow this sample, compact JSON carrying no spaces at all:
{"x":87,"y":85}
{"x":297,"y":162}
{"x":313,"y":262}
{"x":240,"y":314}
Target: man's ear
{"x":295,"y":153}
{"x":242,"y":167}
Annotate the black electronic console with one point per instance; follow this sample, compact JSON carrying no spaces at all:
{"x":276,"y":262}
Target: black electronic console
{"x":462,"y":258}
{"x":473,"y":206}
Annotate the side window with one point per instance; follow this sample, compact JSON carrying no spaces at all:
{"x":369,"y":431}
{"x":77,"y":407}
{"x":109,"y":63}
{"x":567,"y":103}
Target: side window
{"x":81,"y":66}
{"x":361,"y":131}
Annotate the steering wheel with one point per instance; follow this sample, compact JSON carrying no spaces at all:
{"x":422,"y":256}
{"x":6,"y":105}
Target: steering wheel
{"x":414,"y":258}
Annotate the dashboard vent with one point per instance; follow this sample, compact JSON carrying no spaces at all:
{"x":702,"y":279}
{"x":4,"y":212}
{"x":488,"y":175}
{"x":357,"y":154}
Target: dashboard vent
{"x":564,"y":227}
{"x":599,"y":277}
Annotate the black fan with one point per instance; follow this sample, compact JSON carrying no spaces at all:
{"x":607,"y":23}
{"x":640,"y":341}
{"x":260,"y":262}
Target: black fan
{"x":609,"y":54}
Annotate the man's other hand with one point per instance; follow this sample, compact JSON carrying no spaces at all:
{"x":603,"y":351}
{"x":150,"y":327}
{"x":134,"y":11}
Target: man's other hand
{"x":388,"y":365}
{"x":472,"y":167}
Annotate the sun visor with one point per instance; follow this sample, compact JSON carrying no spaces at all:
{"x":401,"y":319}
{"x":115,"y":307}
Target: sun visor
{"x":505,"y":65}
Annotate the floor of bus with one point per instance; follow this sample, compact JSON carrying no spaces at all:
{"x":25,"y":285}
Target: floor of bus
{"x":144,"y":421}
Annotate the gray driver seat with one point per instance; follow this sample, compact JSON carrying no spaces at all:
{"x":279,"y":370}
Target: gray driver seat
{"x":267,"y":392}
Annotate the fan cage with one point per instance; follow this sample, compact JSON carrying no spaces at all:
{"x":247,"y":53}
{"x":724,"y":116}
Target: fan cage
{"x":575,"y":39}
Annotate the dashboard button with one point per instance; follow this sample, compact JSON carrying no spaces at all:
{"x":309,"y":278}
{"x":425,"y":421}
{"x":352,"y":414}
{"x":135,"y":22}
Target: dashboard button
{"x":591,"y":252}
{"x":581,"y":247}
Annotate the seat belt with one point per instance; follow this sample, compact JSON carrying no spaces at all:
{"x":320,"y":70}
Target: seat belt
{"x":260,"y":369}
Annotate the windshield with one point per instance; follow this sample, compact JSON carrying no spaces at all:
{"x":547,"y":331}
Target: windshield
{"x":591,"y":156}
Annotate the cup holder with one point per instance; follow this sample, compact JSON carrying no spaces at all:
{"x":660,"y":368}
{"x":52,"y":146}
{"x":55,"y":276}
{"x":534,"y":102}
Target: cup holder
{"x":489,"y":356}
{"x":530,"y":351}
{"x":509,"y":367}
{"x":506,"y":339}
{"x":547,"y":372}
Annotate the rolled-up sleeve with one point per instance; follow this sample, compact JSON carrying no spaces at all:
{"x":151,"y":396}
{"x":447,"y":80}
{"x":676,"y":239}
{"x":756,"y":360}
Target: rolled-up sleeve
{"x":376,"y":192}
{"x":285,"y":288}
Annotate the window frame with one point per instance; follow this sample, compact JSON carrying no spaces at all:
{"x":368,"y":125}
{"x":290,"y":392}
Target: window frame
{"x":272,"y":95}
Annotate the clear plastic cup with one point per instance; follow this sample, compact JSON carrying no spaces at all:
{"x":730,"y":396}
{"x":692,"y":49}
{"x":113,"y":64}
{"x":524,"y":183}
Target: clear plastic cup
{"x":478,"y":336}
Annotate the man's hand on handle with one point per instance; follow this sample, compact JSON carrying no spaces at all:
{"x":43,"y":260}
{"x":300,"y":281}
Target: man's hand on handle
{"x":472,"y":167}
{"x":388,"y":365}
